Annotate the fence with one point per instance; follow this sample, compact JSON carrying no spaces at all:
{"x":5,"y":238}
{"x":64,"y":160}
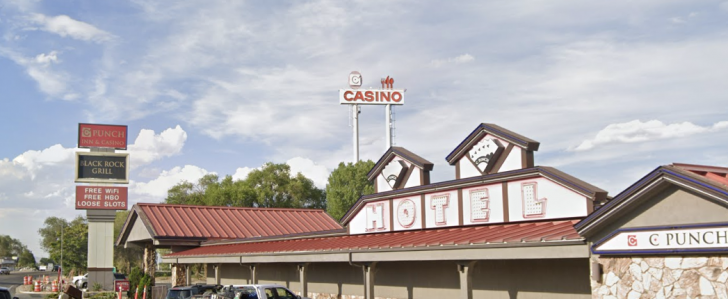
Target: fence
{"x":159,"y":292}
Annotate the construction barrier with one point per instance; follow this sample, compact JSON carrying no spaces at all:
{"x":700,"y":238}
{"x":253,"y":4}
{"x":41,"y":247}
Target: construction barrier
{"x":36,"y":288}
{"x":25,"y":280}
{"x":54,"y":286}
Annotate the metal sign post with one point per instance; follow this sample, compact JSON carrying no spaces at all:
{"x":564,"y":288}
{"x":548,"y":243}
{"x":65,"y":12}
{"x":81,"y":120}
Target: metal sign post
{"x":355,"y":123}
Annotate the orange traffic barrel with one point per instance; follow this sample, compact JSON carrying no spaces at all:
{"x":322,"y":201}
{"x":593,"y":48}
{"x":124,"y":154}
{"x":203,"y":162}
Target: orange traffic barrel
{"x":36,"y":287}
{"x":54,"y":286}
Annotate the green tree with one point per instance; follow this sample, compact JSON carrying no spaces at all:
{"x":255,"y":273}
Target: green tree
{"x":10,"y":247}
{"x":26,"y":259}
{"x":45,"y":261}
{"x":75,"y":241}
{"x":125,"y":258}
{"x":272,"y":186}
{"x":346,"y":184}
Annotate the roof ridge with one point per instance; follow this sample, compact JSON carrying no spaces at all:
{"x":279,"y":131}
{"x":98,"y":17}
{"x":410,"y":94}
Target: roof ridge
{"x":229,"y":207}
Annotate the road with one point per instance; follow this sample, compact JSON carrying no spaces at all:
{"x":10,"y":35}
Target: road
{"x":15,"y":279}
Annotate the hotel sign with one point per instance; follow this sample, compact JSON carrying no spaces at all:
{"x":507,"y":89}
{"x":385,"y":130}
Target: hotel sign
{"x":102,"y":168}
{"x":102,"y":136}
{"x":665,"y":240}
{"x":101,"y":198}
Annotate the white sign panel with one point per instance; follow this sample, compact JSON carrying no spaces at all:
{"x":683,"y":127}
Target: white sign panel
{"x":371,"y":96}
{"x":666,"y":240}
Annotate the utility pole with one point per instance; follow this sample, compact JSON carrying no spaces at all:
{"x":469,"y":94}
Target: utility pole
{"x":62,"y":227}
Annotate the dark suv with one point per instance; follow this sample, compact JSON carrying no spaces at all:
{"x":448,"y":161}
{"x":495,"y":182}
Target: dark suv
{"x":197,"y":290}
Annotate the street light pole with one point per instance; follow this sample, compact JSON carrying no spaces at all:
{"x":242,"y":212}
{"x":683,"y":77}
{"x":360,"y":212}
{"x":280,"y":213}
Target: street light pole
{"x":62,"y":227}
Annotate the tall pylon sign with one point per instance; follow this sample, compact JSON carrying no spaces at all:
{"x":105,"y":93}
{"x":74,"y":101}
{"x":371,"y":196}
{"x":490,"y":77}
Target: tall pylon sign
{"x":101,"y":170}
{"x":355,"y":96}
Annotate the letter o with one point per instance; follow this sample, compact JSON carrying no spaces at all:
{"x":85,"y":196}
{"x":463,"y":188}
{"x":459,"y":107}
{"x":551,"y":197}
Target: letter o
{"x":397,"y":96}
{"x":406,"y":213}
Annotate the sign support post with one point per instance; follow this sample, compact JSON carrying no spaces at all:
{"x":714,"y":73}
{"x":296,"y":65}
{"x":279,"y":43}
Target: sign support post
{"x":388,"y":125}
{"x":355,"y":121}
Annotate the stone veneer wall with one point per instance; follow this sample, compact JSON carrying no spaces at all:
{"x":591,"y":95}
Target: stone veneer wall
{"x":663,"y":277}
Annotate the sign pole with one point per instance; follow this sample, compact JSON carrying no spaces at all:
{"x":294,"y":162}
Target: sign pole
{"x":388,"y":123}
{"x":356,"y":133}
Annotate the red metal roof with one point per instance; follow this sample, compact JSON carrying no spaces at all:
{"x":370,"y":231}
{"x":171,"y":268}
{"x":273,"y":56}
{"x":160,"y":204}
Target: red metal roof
{"x":714,"y":173}
{"x":212,"y":222}
{"x":517,"y":233}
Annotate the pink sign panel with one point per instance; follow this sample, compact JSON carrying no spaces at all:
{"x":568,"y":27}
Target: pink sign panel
{"x":94,"y":135}
{"x":101,"y":198}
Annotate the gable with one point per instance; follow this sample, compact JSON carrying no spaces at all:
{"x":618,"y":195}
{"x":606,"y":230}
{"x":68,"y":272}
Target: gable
{"x":672,"y":206}
{"x":491,"y":149}
{"x":399,"y":168}
{"x":660,"y":179}
{"x":138,"y":232}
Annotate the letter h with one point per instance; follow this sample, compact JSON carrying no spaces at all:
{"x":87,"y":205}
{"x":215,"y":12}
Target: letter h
{"x":375,"y":217}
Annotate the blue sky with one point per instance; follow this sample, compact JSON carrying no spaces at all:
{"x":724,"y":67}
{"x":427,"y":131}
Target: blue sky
{"x":611,"y":89}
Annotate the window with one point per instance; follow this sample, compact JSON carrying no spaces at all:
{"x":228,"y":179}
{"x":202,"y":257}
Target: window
{"x":4,"y":294}
{"x":284,"y":294}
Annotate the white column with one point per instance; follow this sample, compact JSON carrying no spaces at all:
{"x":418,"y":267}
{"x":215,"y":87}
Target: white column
{"x":369,"y":280}
{"x":302,"y":269}
{"x":465,"y":269}
{"x":253,"y":274}
{"x":217,"y":274}
{"x":188,"y":276}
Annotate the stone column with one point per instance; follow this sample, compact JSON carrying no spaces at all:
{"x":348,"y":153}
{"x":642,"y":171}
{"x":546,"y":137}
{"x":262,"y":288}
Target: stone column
{"x":179,"y":272}
{"x":302,"y":269}
{"x":368,"y":270}
{"x":465,"y":269}
{"x":150,"y":260}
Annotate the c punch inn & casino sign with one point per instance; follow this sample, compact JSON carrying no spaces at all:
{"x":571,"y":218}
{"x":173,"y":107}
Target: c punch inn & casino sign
{"x":102,"y":136}
{"x":96,"y":167}
{"x":694,"y":238}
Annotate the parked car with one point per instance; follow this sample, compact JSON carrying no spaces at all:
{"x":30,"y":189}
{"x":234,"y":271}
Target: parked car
{"x":259,"y":291}
{"x":5,"y":294}
{"x":42,"y":268}
{"x":197,"y":291}
{"x":80,"y":281}
{"x":4,"y":270}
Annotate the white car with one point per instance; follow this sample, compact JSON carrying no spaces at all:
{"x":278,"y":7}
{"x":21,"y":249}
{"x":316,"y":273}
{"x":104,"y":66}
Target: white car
{"x":260,"y":291}
{"x":80,"y":281}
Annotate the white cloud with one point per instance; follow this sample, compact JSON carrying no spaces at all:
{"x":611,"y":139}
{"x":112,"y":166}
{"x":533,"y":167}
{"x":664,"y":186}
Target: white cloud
{"x":149,"y":147}
{"x":156,"y":189}
{"x":242,"y":172}
{"x":453,"y":60}
{"x":45,"y":59}
{"x":32,"y":161}
{"x":319,"y":174}
{"x":66,"y":26}
{"x":50,"y":81}
{"x":638,"y":131}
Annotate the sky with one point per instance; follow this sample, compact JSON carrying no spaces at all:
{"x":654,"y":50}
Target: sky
{"x":611,"y":89}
